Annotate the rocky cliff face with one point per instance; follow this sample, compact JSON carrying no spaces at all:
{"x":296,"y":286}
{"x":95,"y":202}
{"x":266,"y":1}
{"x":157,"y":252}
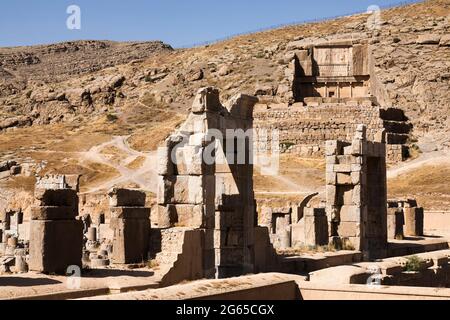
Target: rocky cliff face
{"x":59,"y":101}
{"x":54,"y":83}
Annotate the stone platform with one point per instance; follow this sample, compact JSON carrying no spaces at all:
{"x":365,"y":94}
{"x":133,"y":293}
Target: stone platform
{"x":35,"y":286}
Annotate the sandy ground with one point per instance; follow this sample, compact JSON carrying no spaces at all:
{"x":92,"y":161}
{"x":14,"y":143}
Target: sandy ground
{"x":31,"y":284}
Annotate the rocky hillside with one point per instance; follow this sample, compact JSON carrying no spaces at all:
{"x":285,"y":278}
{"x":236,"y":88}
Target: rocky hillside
{"x":57,"y":62}
{"x":48,"y":84}
{"x":59,"y":100}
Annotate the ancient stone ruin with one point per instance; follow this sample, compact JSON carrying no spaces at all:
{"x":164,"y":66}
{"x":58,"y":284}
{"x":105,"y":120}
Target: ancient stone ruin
{"x":405,"y":219}
{"x":56,"y":237}
{"x":130,"y":220}
{"x":206,"y":222}
{"x":357,"y":193}
{"x":206,"y":181}
{"x":333,"y":89}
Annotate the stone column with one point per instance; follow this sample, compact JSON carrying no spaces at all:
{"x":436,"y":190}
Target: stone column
{"x":200,"y":188}
{"x":357,"y":194}
{"x":56,"y":237}
{"x":316,"y":227}
{"x":130,"y":220}
{"x":413,"y":218}
{"x":395,"y":221}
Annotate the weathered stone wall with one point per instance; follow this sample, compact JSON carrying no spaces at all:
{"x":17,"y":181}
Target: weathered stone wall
{"x":303,"y":130}
{"x":130,"y":220}
{"x":405,"y":218}
{"x":205,"y":190}
{"x":356,"y":194}
{"x":56,"y":238}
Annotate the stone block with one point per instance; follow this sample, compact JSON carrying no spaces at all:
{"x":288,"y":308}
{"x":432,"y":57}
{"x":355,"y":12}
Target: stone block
{"x":428,"y":38}
{"x":241,"y":106}
{"x":165,"y":165}
{"x":165,"y":216}
{"x":131,"y":240}
{"x":349,"y":229}
{"x":342,"y":168}
{"x":188,"y":215}
{"x":331,"y":147}
{"x":360,"y":60}
{"x":355,"y":177}
{"x":413,"y":221}
{"x":354,"y":242}
{"x":228,"y":238}
{"x":105,"y":232}
{"x":357,"y":195}
{"x":343,"y":178}
{"x":348,"y":151}
{"x":350,"y":213}
{"x":130,"y":213}
{"x":331,"y":178}
{"x":189,"y":161}
{"x":53,"y":213}
{"x":165,"y":189}
{"x":316,"y":228}
{"x":357,"y":147}
{"x":197,"y":139}
{"x":188,"y":190}
{"x":55,"y":245}
{"x":24,"y":231}
{"x":361,"y":132}
{"x":298,"y":234}
{"x":331,"y":193}
{"x":206,"y":99}
{"x":56,"y":197}
{"x":331,"y":160}
{"x":395,"y":223}
{"x":119,"y":197}
{"x":345,"y":159}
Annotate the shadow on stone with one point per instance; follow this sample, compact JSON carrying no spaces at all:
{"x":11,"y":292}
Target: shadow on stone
{"x":26,"y":282}
{"x":103,"y":273}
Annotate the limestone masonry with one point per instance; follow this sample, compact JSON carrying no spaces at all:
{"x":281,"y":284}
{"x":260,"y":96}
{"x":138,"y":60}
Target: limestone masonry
{"x":333,"y":89}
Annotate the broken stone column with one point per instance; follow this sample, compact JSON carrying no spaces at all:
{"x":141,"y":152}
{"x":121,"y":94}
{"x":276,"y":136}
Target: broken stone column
{"x":279,"y":222}
{"x":316,"y":227}
{"x":130,"y":221}
{"x":312,"y":229}
{"x":56,"y":237}
{"x":205,"y":185}
{"x":395,"y":220}
{"x":21,"y":264}
{"x":413,"y":218}
{"x":357,"y":194}
{"x":92,"y":234}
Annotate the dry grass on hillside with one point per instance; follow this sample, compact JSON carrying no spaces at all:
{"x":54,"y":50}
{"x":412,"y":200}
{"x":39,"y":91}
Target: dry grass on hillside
{"x":136,"y":163}
{"x":149,"y":138}
{"x":296,"y":174}
{"x":429,"y":184}
{"x":21,"y":183}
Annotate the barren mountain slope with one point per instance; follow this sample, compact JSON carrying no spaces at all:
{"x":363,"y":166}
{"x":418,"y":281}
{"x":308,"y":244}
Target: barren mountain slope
{"x":59,"y":100}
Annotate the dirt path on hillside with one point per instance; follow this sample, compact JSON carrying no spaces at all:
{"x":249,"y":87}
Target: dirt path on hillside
{"x":145,"y":176}
{"x":429,"y":158}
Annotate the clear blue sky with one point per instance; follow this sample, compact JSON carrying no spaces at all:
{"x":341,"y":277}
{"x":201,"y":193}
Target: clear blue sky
{"x":177,"y":22}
